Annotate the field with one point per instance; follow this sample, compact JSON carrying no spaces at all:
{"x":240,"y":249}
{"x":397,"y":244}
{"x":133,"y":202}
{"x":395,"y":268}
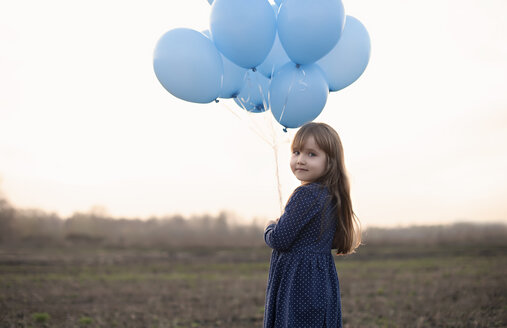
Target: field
{"x":382,"y":286}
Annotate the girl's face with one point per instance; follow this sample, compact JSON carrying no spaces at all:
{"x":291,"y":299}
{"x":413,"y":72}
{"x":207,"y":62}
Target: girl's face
{"x":308,"y":163}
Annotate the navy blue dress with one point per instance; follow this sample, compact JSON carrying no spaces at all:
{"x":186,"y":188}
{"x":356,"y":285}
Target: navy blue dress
{"x":303,"y":288}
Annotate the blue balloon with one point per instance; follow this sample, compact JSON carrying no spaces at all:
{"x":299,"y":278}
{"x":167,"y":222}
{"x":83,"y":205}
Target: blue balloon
{"x":233,"y":79}
{"x":233,"y":76}
{"x":244,"y":30}
{"x":253,"y":97}
{"x":210,"y":2}
{"x":188,"y":65}
{"x":298,"y":94}
{"x":349,"y":58}
{"x":308,"y":30}
{"x":277,"y":58}
{"x":278,"y":2}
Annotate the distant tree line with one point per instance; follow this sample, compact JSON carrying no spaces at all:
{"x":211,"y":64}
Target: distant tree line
{"x":457,"y":233}
{"x":38,"y":228}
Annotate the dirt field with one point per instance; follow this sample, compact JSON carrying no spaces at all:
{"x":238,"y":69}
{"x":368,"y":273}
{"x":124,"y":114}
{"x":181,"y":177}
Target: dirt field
{"x":382,"y":286}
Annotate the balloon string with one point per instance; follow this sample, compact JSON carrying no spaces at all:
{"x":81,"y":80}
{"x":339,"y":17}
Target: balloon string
{"x":250,"y":82}
{"x":274,"y":145}
{"x":264,"y":102}
{"x":277,"y":166}
{"x":287,"y":96}
{"x":249,"y":125}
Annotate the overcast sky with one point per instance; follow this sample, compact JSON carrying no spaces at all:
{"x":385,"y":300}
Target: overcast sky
{"x":84,"y":121}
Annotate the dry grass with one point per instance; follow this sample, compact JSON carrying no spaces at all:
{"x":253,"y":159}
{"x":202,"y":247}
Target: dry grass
{"x":382,"y":286}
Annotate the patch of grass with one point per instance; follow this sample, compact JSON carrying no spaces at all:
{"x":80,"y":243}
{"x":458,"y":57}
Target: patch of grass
{"x":384,"y":322}
{"x":85,"y":321}
{"x":41,"y":317}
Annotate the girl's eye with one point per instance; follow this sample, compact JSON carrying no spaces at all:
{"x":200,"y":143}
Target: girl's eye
{"x":295,"y":152}
{"x":311,"y":154}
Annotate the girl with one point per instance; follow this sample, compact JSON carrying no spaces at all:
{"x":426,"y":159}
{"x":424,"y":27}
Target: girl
{"x":303,"y":288}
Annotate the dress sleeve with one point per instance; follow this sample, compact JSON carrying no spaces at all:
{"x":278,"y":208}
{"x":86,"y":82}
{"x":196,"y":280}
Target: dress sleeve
{"x":300,"y":209}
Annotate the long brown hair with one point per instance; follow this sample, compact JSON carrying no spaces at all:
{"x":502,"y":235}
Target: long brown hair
{"x":348,"y":230}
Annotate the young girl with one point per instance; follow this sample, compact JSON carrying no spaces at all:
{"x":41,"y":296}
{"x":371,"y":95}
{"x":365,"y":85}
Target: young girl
{"x":303,"y":288}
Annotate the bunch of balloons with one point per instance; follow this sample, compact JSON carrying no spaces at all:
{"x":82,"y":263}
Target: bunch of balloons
{"x":285,"y":57}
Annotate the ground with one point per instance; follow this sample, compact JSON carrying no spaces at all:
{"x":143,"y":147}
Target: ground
{"x":382,"y":286}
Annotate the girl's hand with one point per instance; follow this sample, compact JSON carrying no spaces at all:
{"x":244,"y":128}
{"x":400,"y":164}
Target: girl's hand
{"x":270,"y":222}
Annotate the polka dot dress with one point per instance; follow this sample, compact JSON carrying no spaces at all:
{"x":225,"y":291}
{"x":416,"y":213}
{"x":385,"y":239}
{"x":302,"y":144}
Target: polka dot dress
{"x":303,"y":288}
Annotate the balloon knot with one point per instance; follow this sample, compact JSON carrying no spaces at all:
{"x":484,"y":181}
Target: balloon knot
{"x":298,"y":65}
{"x":254,"y":69}
{"x":285,"y":130}
{"x":216,"y":100}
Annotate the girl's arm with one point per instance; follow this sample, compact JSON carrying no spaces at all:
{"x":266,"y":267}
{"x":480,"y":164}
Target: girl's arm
{"x":270,"y":222}
{"x":300,"y":209}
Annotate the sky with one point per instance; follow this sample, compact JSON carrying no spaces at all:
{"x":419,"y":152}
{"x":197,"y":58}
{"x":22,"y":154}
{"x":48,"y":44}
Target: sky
{"x":84,"y":123}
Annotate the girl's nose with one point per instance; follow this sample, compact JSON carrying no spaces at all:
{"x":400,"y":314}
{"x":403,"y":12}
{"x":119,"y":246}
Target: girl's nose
{"x":300,"y":160}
